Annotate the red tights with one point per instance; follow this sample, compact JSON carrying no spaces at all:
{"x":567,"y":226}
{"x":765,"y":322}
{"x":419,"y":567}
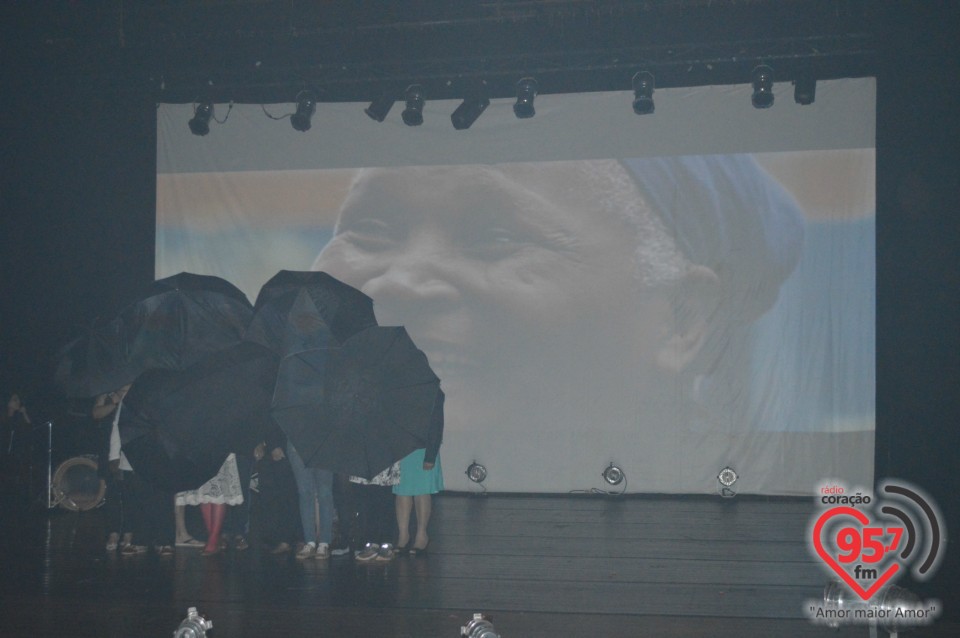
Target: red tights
{"x":213,"y":515}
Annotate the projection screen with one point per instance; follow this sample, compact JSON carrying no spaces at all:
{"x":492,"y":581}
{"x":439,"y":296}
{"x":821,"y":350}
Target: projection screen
{"x":674,"y":293}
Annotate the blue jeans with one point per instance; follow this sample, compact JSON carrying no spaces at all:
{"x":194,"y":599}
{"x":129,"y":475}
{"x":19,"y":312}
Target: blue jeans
{"x":314,"y":486}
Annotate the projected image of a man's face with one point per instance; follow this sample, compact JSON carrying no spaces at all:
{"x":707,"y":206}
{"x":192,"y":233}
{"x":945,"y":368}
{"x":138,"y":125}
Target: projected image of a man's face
{"x":534,"y":302}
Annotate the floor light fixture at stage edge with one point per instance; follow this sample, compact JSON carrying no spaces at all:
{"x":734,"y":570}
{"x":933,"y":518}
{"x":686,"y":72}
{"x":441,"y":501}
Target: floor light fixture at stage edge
{"x":725,"y":480}
{"x":480,"y":626}
{"x":193,"y":626}
{"x":614,"y":475}
{"x":477,"y":473}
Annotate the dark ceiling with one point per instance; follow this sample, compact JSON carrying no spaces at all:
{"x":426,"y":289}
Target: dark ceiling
{"x":258,"y":50}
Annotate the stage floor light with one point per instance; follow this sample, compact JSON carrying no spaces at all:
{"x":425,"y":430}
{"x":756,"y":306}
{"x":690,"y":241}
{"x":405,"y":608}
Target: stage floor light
{"x":476,"y":472}
{"x":613,"y":475}
{"x":193,"y":626}
{"x":480,"y":626}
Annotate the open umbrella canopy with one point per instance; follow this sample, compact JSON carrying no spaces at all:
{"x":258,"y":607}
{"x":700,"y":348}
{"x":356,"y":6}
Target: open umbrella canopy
{"x":299,"y":310}
{"x":182,"y":318}
{"x":178,"y":426}
{"x":358,"y":407}
{"x":176,"y":322}
{"x":96,"y":362}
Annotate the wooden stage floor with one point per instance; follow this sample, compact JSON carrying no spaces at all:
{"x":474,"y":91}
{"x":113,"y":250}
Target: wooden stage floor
{"x":540,"y":566}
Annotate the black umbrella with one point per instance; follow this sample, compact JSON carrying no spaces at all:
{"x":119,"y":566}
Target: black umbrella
{"x":300,"y":310}
{"x":358,"y":407}
{"x":178,"y":426}
{"x":96,"y":362}
{"x":177,"y":321}
{"x":182,"y":318}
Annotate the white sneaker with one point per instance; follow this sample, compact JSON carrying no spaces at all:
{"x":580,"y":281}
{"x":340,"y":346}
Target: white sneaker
{"x":323,"y":551}
{"x":309,"y":550}
{"x":369,"y":552}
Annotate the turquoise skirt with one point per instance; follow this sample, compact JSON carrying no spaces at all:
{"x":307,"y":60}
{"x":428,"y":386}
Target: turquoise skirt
{"x":414,"y":480}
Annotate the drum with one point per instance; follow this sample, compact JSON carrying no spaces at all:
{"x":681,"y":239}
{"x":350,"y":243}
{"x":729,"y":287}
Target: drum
{"x":76,"y":486}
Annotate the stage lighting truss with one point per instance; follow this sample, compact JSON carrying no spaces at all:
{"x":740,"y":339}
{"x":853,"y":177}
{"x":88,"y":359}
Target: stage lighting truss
{"x":413,"y":112}
{"x":526,"y":93}
{"x":306,"y":107}
{"x":643,"y":85}
{"x":480,"y":626}
{"x":193,"y":626}
{"x":477,"y":473}
{"x":762,"y":77}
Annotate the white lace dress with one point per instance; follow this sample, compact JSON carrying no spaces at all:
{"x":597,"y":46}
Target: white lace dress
{"x":224,"y":488}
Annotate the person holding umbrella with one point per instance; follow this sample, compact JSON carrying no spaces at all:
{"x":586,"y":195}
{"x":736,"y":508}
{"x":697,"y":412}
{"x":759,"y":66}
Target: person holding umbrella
{"x":109,"y":470}
{"x":420,"y":477}
{"x":213,"y":498}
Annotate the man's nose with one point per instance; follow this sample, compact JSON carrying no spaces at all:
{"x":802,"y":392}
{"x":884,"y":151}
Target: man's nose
{"x":419,"y":275}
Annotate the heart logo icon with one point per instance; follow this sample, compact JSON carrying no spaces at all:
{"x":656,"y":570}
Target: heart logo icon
{"x":829,"y":559}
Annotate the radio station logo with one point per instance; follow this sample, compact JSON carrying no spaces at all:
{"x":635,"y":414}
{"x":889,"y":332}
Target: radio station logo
{"x":868,"y":541}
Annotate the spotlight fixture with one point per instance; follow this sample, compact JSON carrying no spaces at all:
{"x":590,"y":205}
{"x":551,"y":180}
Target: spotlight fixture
{"x":413,"y":113}
{"x":476,"y":472}
{"x":762,"y":87}
{"x":193,"y":626}
{"x":306,"y":106}
{"x":726,"y":478}
{"x":200,"y":122}
{"x":469,"y":110}
{"x":804,"y":89}
{"x":480,"y":626}
{"x":526,"y":92}
{"x":613,"y":475}
{"x":643,"y":93}
{"x":380,"y":107}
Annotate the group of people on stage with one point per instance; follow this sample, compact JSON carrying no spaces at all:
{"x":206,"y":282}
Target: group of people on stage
{"x":309,"y":511}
